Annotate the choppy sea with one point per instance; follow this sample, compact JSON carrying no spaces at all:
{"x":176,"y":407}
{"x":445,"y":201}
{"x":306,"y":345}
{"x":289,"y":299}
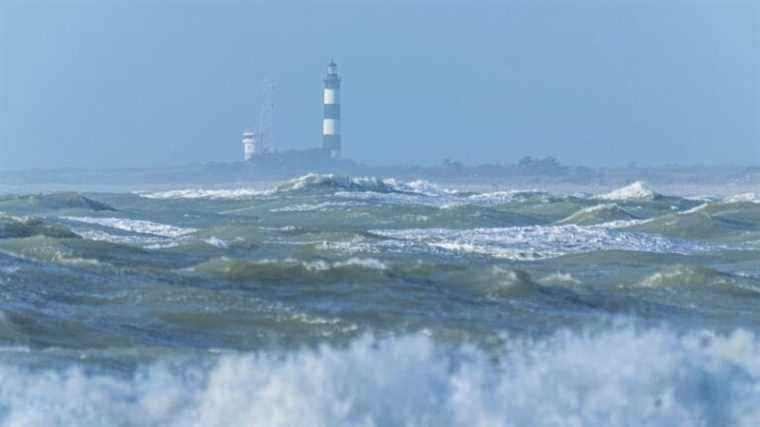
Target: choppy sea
{"x":345,"y":301}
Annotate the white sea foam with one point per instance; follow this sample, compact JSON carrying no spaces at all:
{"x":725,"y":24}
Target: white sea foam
{"x":636,"y":191}
{"x":500,"y":197}
{"x":599,"y":208}
{"x":613,"y":208}
{"x":308,"y":181}
{"x":316,"y":207}
{"x":562,"y":278}
{"x":535,"y":242}
{"x":695,"y":209}
{"x":136,"y":226}
{"x":316,"y":180}
{"x":213,"y":194}
{"x":369,"y":263}
{"x":321,"y":265}
{"x":215,"y":241}
{"x":145,"y":241}
{"x":744,"y":197}
{"x":388,"y":190}
{"x":447,"y":199}
{"x":622,"y":376}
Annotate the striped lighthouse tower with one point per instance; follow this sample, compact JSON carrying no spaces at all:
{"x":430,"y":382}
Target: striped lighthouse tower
{"x":331,"y":120}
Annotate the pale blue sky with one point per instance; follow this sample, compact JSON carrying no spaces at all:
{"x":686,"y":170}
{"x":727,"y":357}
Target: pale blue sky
{"x":103,"y":84}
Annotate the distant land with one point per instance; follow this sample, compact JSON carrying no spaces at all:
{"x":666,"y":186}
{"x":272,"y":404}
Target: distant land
{"x":285,"y":165}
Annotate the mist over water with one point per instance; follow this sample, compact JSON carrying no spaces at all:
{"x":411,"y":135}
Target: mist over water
{"x":474,"y":81}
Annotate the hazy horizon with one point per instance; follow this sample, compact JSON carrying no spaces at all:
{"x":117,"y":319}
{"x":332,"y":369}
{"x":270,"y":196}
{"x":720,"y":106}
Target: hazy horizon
{"x":92,"y":85}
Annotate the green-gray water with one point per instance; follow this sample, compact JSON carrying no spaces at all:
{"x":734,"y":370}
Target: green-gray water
{"x":357,"y":301}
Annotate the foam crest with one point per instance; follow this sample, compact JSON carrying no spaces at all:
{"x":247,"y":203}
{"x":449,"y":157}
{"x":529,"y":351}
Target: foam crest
{"x":681,"y":276}
{"x":744,"y":198}
{"x":536,"y":242}
{"x":432,"y":195}
{"x":636,"y":191}
{"x":388,"y":190}
{"x":290,"y":270}
{"x":605,"y":213}
{"x":316,"y":207}
{"x":501,"y":197}
{"x":212,"y":194}
{"x":315,"y":181}
{"x":623,"y":376}
{"x":310,"y":182}
{"x":19,"y":227}
{"x":136,"y":226}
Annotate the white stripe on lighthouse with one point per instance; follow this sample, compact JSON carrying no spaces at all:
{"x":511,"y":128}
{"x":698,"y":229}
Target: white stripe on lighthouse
{"x":329,"y":127}
{"x":331,"y":96}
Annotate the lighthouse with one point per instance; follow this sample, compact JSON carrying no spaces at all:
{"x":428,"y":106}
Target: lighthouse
{"x":331,"y":118}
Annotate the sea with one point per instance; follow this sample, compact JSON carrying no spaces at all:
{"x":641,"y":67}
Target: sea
{"x":332,"y":300}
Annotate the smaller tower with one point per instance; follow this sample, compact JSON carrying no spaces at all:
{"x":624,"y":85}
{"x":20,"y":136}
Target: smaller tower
{"x":259,"y":142}
{"x":249,"y":145}
{"x":331,"y":120}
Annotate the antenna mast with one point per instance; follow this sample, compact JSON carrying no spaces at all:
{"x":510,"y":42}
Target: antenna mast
{"x":266,"y":112}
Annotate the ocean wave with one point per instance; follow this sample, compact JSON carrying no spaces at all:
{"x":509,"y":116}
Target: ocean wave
{"x":561,"y":279}
{"x":48,"y":249}
{"x":20,"y":227}
{"x":136,"y":226}
{"x":510,"y":283}
{"x":635,"y":191}
{"x":743,"y":198}
{"x":621,"y":376}
{"x":697,"y":276}
{"x":695,"y":209}
{"x":600,"y":214}
{"x":211,"y":194}
{"x":385,"y":190}
{"x":503,"y":197}
{"x":142,"y":240}
{"x":535,"y":242}
{"x":316,"y":207}
{"x":291,"y":270}
{"x":52,"y":201}
{"x":449,"y":199}
{"x":317,"y":182}
{"x":719,"y":221}
{"x":312,"y":182}
{"x":488,"y":281}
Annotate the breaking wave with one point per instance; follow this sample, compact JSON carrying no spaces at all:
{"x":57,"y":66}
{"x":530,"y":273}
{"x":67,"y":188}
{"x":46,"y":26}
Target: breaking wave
{"x":599,"y":214}
{"x":200,"y":193}
{"x":53,"y":201}
{"x":622,"y":376}
{"x":49,"y":249}
{"x":388,"y":190}
{"x":293,"y":271}
{"x":320,"y":182}
{"x":312,"y":182}
{"x":695,"y":276}
{"x":721,"y":221}
{"x":137,"y":226}
{"x":19,"y":227}
{"x":636,"y":191}
{"x":744,"y":198}
{"x":535,"y":241}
